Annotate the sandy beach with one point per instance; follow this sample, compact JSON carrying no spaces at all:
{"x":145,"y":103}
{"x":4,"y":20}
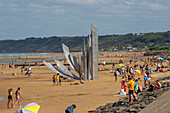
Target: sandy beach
{"x":55,"y":99}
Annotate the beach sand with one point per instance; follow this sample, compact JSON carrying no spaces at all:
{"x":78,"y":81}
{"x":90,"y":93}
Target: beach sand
{"x":55,"y":99}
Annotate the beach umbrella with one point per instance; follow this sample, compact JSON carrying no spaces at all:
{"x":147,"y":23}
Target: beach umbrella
{"x":139,"y":72}
{"x":29,"y":108}
{"x":121,"y":65}
{"x":159,"y":58}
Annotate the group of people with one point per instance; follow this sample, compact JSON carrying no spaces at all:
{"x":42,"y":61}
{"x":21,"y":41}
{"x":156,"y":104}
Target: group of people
{"x":56,"y":78}
{"x":17,"y":96}
{"x":130,"y":85}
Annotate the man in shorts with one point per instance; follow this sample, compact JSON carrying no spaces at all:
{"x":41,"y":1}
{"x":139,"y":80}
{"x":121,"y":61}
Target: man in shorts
{"x":131,"y":84}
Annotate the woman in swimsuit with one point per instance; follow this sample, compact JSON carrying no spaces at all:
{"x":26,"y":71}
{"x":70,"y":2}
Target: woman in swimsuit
{"x":18,"y":94}
{"x":54,"y":81}
{"x":10,"y":98}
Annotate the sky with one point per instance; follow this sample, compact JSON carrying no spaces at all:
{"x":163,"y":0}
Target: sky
{"x":20,"y":19}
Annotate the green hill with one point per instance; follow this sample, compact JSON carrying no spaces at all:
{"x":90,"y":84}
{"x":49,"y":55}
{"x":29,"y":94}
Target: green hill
{"x":106,"y":42}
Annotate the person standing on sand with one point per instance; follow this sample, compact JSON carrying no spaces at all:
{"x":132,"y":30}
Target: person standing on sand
{"x":18,"y":95}
{"x":70,"y":109}
{"x":104,"y":63}
{"x":22,"y":70}
{"x":69,"y":68}
{"x":54,"y":82}
{"x":82,"y":75}
{"x":131,"y":84}
{"x":57,"y":77}
{"x":10,"y":98}
{"x":116,"y":73}
{"x":60,"y":80}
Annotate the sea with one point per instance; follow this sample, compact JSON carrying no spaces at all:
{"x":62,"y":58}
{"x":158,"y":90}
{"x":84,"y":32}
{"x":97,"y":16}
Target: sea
{"x":16,"y":55}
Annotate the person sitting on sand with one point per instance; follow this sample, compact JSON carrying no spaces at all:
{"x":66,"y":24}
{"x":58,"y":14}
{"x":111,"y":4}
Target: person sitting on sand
{"x":18,"y":94}
{"x":150,"y":87}
{"x":140,"y":89}
{"x":136,"y":86}
{"x":10,"y":98}
{"x":54,"y":82}
{"x":123,"y":88}
{"x":157,"y":85}
{"x":70,"y":109}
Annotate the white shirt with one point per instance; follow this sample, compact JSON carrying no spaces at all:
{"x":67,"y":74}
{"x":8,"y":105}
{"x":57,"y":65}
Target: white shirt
{"x":29,"y":68}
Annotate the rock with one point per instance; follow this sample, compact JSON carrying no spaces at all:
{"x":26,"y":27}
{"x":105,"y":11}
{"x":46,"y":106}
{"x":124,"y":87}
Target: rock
{"x":121,"y":109}
{"x":93,"y":111}
{"x":136,"y":106}
{"x":148,"y":102}
{"x":151,"y":98}
{"x":160,"y":90}
{"x":164,"y":84}
{"x":128,"y":108}
{"x":168,"y":84}
{"x":142,"y":104}
{"x":133,"y":110}
{"x":113,"y":110}
{"x":100,"y":108}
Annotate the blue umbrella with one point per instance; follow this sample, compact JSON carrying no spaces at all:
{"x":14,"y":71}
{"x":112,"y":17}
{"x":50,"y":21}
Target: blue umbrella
{"x":159,"y":58}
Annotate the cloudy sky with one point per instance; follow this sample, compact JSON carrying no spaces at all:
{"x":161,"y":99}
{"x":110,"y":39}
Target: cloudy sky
{"x":21,"y":19}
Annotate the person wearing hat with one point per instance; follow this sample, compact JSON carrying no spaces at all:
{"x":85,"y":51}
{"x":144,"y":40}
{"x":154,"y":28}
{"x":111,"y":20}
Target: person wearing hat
{"x":131,"y":84}
{"x":70,"y":109}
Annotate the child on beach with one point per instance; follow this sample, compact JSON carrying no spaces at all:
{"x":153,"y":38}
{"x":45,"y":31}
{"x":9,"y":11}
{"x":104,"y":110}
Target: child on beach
{"x":59,"y":80}
{"x":10,"y":98}
{"x":57,"y":77}
{"x":18,"y":95}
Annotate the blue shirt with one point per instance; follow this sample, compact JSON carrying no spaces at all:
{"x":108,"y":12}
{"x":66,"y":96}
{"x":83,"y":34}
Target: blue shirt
{"x":70,"y":109}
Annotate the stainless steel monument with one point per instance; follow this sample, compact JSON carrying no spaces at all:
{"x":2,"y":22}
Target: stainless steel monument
{"x":88,"y":60}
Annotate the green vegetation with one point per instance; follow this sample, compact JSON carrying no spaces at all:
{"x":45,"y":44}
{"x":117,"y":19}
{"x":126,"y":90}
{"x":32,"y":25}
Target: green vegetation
{"x":153,"y":41}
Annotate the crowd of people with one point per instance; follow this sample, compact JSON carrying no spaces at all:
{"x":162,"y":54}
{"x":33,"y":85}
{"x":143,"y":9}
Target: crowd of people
{"x":130,"y":84}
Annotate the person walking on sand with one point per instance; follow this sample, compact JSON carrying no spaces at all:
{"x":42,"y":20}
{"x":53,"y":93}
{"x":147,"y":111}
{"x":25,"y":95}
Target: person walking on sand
{"x":116,"y":73}
{"x":70,"y":109}
{"x":54,"y":82}
{"x":18,"y":95}
{"x":10,"y":98}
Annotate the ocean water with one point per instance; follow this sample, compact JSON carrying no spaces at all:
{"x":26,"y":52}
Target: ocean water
{"x":13,"y":55}
{"x":1,"y":98}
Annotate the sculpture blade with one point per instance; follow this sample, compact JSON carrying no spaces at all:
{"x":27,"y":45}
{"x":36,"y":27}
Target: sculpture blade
{"x":65,"y":70}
